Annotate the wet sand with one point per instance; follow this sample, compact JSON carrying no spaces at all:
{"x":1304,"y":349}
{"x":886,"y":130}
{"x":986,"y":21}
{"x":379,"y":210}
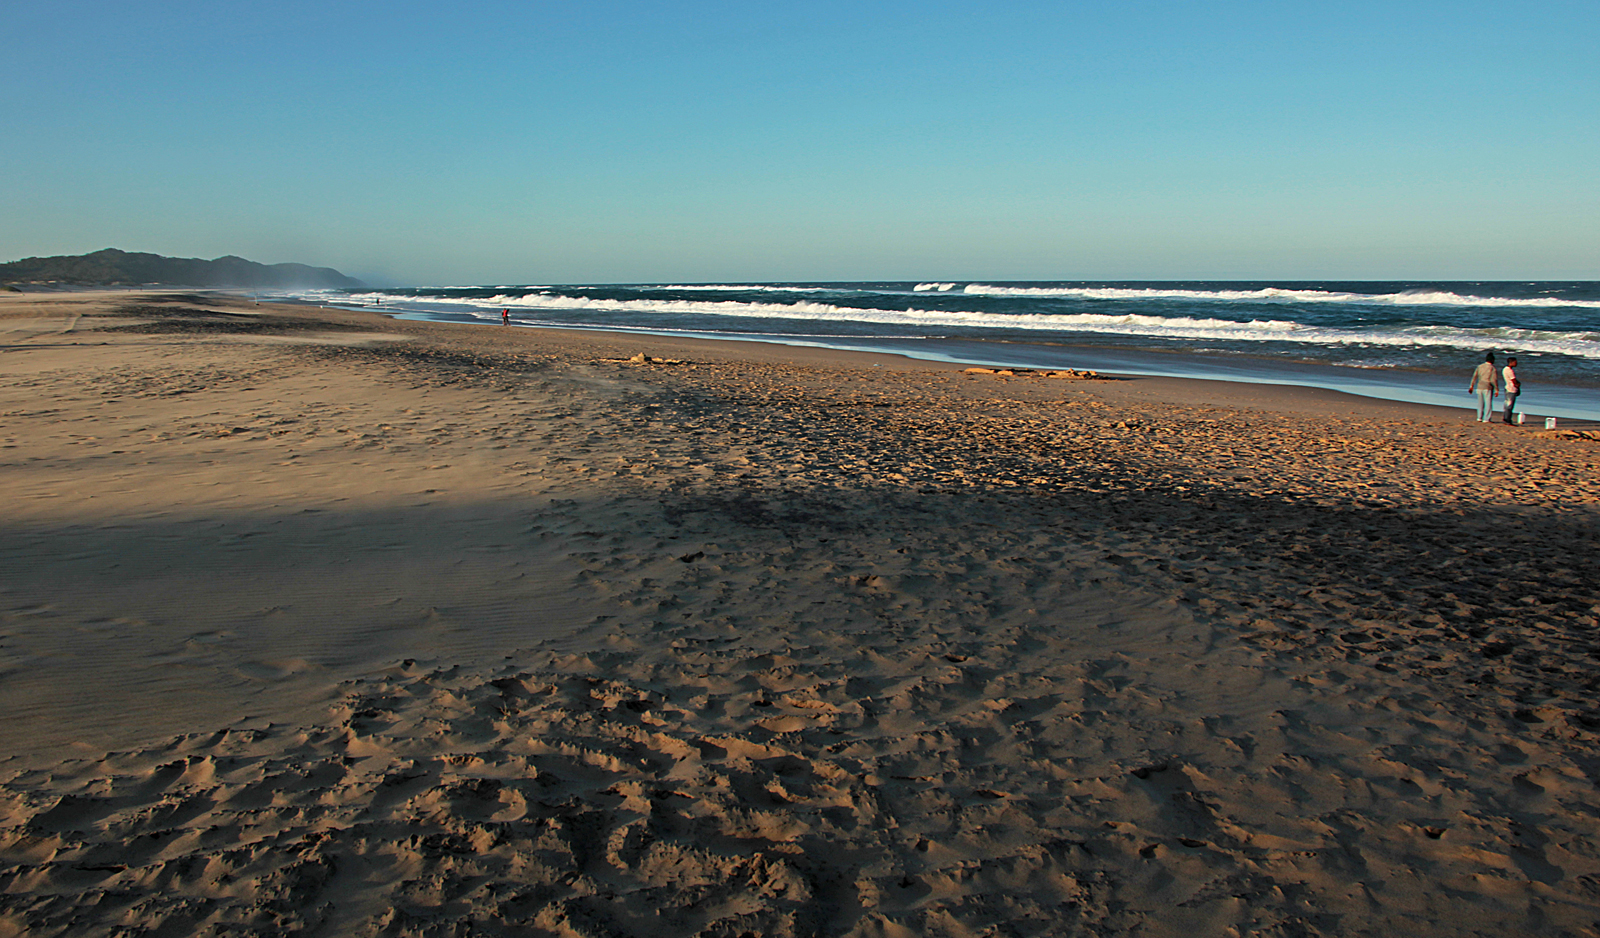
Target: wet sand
{"x":317,"y":622}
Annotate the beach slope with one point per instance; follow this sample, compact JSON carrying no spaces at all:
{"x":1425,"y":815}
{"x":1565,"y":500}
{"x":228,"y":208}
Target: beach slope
{"x":316,"y":622}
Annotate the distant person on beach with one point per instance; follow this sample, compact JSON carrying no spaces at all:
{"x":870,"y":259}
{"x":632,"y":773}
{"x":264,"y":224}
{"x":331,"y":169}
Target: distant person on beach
{"x":1484,"y":382}
{"x":1512,"y":385}
{"x":505,"y":317}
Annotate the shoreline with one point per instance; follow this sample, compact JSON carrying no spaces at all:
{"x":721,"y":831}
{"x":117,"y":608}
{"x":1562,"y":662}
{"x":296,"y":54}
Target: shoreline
{"x":1566,"y":402}
{"x":315,"y":620}
{"x":1170,"y":388}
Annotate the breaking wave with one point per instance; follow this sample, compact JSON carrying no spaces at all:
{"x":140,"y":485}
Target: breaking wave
{"x":1282,"y":295}
{"x":1580,"y":344}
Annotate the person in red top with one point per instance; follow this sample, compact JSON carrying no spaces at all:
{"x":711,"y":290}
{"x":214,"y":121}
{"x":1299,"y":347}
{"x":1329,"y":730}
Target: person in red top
{"x":1511,"y":385}
{"x":505,"y":317}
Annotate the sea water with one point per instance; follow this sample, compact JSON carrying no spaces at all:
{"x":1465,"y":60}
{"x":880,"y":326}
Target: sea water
{"x":1411,"y":341}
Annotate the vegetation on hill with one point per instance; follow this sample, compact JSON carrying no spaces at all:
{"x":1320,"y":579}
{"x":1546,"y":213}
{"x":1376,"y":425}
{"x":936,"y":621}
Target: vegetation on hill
{"x":121,"y":268}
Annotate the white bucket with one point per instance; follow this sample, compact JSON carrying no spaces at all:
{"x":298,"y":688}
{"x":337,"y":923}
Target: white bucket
{"x":1549,"y":423}
{"x":1521,"y":419}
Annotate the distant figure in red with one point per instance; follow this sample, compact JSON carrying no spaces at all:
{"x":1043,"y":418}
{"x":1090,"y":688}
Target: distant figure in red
{"x":505,"y":317}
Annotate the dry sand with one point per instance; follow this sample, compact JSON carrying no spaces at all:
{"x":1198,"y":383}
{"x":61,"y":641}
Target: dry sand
{"x":317,"y":623}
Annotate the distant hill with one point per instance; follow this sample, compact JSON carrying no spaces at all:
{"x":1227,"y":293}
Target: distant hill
{"x":120,"y":268}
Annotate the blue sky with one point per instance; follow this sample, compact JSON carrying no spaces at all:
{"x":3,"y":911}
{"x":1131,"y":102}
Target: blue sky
{"x":621,"y":141}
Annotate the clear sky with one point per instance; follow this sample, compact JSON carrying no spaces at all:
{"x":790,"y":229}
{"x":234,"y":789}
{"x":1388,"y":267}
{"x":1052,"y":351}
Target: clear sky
{"x":565,"y":141}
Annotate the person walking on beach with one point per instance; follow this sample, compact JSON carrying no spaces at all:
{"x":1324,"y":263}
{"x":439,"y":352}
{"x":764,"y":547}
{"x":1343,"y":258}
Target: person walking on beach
{"x":1484,"y":382}
{"x":505,"y":317}
{"x":1512,"y":385}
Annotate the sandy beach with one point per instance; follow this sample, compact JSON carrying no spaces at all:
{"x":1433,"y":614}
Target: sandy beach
{"x":316,"y":622}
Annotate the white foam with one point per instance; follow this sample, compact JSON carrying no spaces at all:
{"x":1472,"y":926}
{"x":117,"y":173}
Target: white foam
{"x":734,"y":288}
{"x":1280,"y":295}
{"x":934,"y":287}
{"x":1581,"y":344}
{"x":1584,"y":344}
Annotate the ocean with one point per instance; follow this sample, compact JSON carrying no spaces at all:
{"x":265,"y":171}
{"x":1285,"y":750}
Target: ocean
{"x":1409,"y":341}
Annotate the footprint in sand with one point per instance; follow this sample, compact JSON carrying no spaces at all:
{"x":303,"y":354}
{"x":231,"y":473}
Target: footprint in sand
{"x":273,"y":670}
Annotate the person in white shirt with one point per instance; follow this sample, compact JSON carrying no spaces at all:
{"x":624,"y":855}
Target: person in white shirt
{"x":1483,"y":382}
{"x":1512,"y":386}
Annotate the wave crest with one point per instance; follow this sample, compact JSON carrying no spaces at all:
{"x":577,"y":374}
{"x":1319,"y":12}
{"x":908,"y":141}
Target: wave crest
{"x":1584,"y":345}
{"x":682,"y":313}
{"x":1280,"y":294}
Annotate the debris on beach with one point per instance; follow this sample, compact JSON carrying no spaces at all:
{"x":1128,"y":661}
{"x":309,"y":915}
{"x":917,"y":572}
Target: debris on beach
{"x":643,"y":359}
{"x":1071,"y":374}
